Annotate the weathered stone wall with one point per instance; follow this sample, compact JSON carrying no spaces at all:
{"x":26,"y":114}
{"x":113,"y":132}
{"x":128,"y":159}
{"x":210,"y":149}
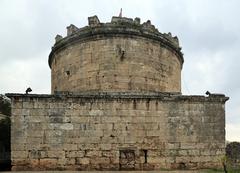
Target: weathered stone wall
{"x":117,"y":131}
{"x":125,"y":56}
{"x":98,"y":66}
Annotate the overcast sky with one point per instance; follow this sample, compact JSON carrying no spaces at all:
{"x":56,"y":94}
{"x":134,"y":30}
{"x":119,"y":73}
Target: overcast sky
{"x":208,"y":30}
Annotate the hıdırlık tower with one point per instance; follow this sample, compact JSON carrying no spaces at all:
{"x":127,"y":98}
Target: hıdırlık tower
{"x":116,"y":104}
{"x":121,"y":56}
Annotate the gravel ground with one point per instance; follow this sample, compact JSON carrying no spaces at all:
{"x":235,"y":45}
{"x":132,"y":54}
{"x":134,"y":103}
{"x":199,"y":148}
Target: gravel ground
{"x":106,"y":171}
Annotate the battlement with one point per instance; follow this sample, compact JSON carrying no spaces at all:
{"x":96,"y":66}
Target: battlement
{"x":117,"y":26}
{"x":93,"y":21}
{"x":131,"y":24}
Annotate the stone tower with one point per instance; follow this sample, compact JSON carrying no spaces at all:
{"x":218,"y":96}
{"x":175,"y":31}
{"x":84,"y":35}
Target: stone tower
{"x":116,"y":104}
{"x":123,"y":55}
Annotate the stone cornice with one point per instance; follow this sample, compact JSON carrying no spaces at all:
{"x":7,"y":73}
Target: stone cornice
{"x":124,"y":95}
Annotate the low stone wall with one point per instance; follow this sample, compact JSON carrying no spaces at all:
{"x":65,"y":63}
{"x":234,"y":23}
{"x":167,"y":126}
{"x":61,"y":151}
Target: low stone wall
{"x":115,"y":131}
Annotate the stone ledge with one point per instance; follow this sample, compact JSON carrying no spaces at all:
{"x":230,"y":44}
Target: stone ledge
{"x":126,"y":95}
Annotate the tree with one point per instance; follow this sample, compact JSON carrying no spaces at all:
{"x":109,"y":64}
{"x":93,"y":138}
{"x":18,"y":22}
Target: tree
{"x":233,"y":155}
{"x":5,"y":126}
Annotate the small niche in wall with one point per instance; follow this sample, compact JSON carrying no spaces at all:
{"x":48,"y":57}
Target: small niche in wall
{"x":145,"y":155}
{"x":134,"y":104}
{"x":127,"y":159}
{"x":67,"y":73}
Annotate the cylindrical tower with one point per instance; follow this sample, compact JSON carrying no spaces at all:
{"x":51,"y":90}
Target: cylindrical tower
{"x":123,"y":55}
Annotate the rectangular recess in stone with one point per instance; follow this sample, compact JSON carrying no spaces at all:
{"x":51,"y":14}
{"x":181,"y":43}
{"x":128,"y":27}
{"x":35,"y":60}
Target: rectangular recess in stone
{"x":127,"y":159}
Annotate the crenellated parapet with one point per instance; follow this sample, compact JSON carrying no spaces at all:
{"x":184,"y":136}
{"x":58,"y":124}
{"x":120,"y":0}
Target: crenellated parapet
{"x":145,"y":27}
{"x":119,"y":26}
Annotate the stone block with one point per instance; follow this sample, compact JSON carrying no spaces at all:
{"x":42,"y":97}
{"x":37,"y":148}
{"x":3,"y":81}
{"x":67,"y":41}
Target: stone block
{"x":174,"y":145}
{"x":75,"y":154}
{"x":36,"y":119}
{"x":36,"y":154}
{"x":36,"y":133}
{"x":83,"y":161}
{"x":34,"y":140}
{"x":18,"y":105}
{"x":19,"y":154}
{"x":71,"y":161}
{"x":48,"y":163}
{"x":66,"y":126}
{"x":188,"y":145}
{"x":69,"y":147}
{"x":93,"y":21}
{"x":56,"y":154}
{"x":93,"y":153}
{"x":87,"y":140}
{"x":27,"y":105}
{"x":100,"y":160}
{"x":183,"y":152}
{"x":105,"y":146}
{"x":195,"y":152}
{"x":18,"y":147}
{"x":71,"y":29}
{"x":154,"y":160}
{"x":112,"y":119}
